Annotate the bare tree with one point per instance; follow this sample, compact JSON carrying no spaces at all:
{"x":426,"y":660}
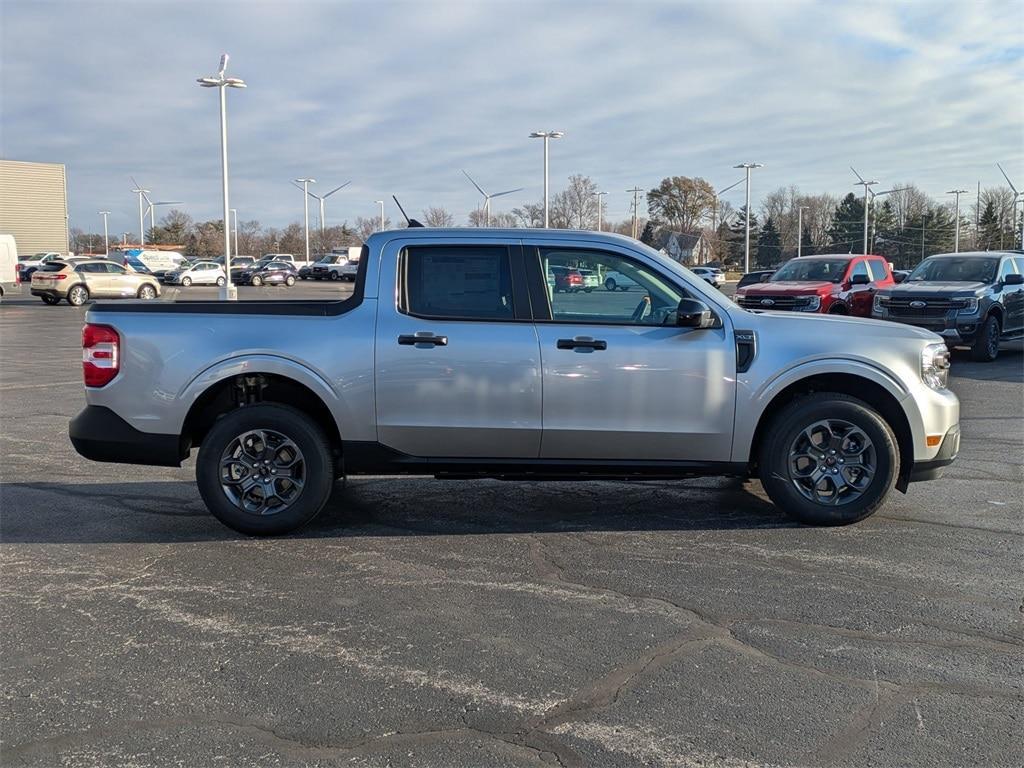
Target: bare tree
{"x":506,"y":220}
{"x":436,"y":216}
{"x":364,"y":227}
{"x":681,"y":203}
{"x":576,"y":206}
{"x":530,"y":215}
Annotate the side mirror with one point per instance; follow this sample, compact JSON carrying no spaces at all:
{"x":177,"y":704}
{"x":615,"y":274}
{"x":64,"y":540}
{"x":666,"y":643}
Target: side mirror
{"x":899,"y":277}
{"x":692,"y":313}
{"x":860,"y":279}
{"x":1014,"y":280}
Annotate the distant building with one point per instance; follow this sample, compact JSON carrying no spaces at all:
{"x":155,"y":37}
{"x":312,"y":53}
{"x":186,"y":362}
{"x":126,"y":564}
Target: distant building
{"x":34,"y":205}
{"x":689,"y":249}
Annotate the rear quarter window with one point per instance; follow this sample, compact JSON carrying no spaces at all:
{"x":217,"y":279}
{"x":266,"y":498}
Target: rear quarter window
{"x":457,"y":283}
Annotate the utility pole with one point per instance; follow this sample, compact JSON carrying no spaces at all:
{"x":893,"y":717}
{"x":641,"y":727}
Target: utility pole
{"x":800,"y":229}
{"x":956,"y":216}
{"x":600,"y":197}
{"x":636,"y":210}
{"x":746,"y":238}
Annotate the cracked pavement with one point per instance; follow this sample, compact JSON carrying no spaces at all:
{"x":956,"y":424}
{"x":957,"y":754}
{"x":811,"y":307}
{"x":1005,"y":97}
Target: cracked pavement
{"x":423,"y":623}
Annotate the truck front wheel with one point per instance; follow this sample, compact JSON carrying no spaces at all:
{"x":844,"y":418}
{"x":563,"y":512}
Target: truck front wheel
{"x":265,"y":470}
{"x":829,"y":459}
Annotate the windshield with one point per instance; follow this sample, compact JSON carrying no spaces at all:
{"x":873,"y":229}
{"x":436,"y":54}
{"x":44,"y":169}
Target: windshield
{"x":948,"y":269}
{"x":830,"y":270}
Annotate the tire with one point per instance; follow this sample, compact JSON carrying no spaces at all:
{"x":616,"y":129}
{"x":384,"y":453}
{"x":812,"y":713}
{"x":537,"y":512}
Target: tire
{"x":334,"y":276}
{"x":77,"y":295}
{"x":587,"y":290}
{"x":50,"y":301}
{"x":289,"y":281}
{"x":822,"y":503}
{"x":221,"y":282}
{"x":985,"y":348}
{"x":186,"y":282}
{"x":256,"y":280}
{"x":838,"y":309}
{"x":147,"y":292}
{"x":609,"y":284}
{"x":317,"y":470}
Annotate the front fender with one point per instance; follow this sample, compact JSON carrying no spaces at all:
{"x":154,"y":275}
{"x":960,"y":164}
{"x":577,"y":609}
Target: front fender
{"x":754,"y":397}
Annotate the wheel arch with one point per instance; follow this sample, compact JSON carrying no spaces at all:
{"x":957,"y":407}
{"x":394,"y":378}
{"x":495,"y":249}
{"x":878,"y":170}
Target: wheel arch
{"x":868,"y":389}
{"x":234,"y":386}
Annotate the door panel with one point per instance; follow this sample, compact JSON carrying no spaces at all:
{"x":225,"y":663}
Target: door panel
{"x":621,"y":380}
{"x":474,"y":388}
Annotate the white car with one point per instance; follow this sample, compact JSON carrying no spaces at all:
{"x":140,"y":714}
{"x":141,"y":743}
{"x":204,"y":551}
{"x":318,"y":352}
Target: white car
{"x":200,"y":273}
{"x":616,"y":281}
{"x":711,"y":275}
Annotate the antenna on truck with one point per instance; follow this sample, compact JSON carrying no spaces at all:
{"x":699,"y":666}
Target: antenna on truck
{"x":409,"y":222}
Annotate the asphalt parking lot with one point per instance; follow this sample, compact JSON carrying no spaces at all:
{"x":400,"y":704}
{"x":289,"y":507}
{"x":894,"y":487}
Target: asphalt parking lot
{"x":421,"y":622}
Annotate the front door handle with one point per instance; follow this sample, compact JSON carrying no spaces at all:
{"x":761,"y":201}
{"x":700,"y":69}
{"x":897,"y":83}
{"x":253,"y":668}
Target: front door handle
{"x":582,"y":342}
{"x":414,"y":339}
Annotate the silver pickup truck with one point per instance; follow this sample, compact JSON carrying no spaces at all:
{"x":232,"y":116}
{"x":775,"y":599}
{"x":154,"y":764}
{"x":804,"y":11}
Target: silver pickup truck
{"x":455,"y":357}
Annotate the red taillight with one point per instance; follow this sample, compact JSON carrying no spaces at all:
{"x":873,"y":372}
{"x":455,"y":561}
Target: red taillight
{"x":101,"y":354}
{"x":575,"y":278}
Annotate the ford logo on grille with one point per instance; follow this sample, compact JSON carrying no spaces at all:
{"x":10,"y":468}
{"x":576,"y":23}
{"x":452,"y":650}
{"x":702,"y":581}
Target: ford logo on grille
{"x":919,"y":304}
{"x":767,"y":302}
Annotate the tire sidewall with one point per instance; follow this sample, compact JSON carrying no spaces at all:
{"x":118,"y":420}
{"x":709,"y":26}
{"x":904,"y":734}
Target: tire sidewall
{"x":78,"y":290}
{"x":186,"y":281}
{"x":783,"y":431}
{"x":980,"y":350}
{"x":295,"y":425}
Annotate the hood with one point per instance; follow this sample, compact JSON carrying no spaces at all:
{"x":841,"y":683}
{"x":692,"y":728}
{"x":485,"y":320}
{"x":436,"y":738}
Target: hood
{"x":789,"y":288}
{"x":929,"y":288}
{"x":859,"y":330}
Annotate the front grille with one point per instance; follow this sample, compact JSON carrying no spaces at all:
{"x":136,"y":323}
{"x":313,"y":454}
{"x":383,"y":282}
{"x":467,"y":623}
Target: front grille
{"x":777,"y":302}
{"x":928,"y":307}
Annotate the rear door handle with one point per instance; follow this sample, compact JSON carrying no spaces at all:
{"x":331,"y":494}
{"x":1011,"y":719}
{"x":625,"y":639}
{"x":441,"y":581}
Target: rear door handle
{"x":414,"y":339}
{"x":582,"y":342}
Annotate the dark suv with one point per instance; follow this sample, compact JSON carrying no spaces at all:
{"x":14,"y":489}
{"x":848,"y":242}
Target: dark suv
{"x":970,"y":299}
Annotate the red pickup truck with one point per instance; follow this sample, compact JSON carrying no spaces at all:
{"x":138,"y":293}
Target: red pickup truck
{"x":837,"y":284}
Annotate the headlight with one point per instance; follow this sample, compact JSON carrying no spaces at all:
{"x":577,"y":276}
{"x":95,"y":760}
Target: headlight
{"x":810,"y":303}
{"x":967,"y":306}
{"x":880,"y":302}
{"x":935,"y":365}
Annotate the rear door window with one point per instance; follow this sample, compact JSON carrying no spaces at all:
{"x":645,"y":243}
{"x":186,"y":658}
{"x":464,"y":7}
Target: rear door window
{"x":456,"y":282}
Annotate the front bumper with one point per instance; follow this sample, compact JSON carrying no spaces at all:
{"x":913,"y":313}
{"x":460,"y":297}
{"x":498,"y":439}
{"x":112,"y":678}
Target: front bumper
{"x":953,"y":327}
{"x":99,"y":434}
{"x":932,"y":468}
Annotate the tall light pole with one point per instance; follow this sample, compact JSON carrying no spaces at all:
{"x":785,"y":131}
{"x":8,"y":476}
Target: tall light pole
{"x":748,"y":167}
{"x":800,"y":229}
{"x":599,"y":196}
{"x":305,"y":206}
{"x":956,"y":217}
{"x":381,"y":203}
{"x":546,"y":135}
{"x":636,"y":207}
{"x":867,"y":188}
{"x":106,"y":236}
{"x":228,"y":292}
{"x":142,"y":216}
{"x":234,"y":228}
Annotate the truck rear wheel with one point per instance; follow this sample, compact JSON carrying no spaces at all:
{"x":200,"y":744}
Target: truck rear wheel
{"x":829,"y":459}
{"x":265,"y":470}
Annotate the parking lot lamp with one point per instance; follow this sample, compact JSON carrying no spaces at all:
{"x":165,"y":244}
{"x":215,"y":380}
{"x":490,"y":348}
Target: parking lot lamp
{"x":106,"y":236}
{"x":748,"y":167}
{"x":599,"y":196}
{"x":219,"y":81}
{"x":800,"y":229}
{"x":956,"y":217}
{"x":546,"y":135}
{"x":381,"y":204}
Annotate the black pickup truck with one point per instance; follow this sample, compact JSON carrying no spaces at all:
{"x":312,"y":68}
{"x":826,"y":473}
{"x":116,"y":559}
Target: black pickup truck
{"x":970,"y":299}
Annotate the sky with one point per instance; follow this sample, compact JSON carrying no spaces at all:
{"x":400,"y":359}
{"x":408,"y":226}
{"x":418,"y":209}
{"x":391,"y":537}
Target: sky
{"x":398,"y":97}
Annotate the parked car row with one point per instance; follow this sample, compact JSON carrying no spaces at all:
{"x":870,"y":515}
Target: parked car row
{"x":971,"y":299}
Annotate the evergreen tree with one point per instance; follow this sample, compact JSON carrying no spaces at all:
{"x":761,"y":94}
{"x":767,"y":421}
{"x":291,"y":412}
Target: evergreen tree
{"x":847,"y":231}
{"x":884,"y":232}
{"x":806,"y":243}
{"x":736,"y":238}
{"x":988,"y":228}
{"x":769,"y":245}
{"x":647,"y":236}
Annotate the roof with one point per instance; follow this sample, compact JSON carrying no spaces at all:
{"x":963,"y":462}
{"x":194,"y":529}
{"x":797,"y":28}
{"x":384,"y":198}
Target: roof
{"x":974,"y":254}
{"x":513,"y":233}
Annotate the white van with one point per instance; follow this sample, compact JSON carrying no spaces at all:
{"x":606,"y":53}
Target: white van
{"x":151,"y":261}
{"x":9,"y":275}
